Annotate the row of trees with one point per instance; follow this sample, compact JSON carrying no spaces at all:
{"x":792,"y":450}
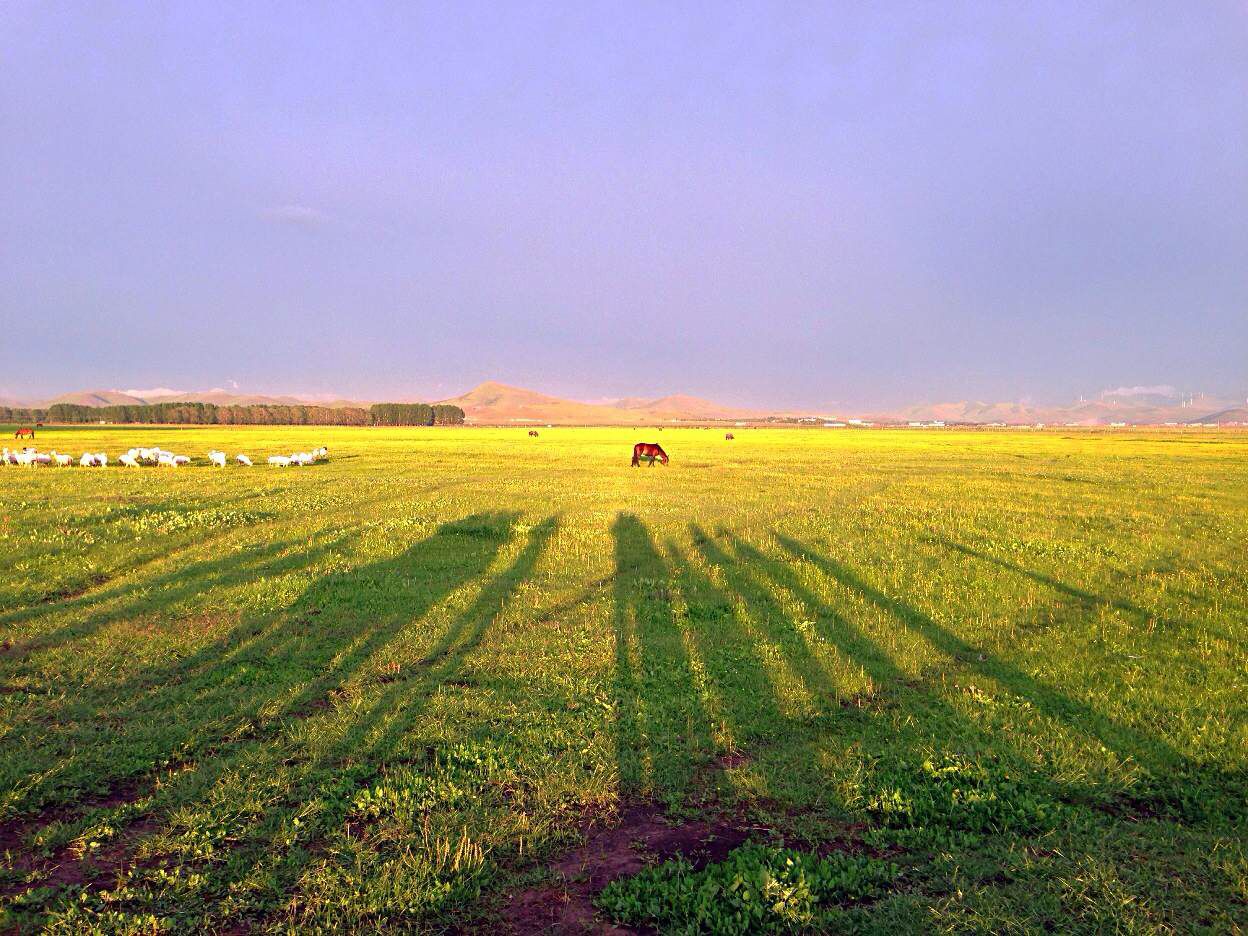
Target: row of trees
{"x":10,"y":414}
{"x":415,"y":414}
{"x":210,"y":414}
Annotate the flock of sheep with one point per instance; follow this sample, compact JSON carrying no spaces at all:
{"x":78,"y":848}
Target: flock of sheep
{"x":138,"y":457}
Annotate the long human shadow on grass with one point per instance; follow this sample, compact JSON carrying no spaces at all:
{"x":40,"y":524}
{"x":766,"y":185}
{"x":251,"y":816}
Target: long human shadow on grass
{"x":663,"y":728}
{"x":726,"y":650}
{"x":1151,"y":752}
{"x":123,"y":602}
{"x":407,"y":693}
{"x":265,"y":670}
{"x":753,"y":575}
{"x":355,"y":746}
{"x":771,"y":618}
{"x":102,"y":594}
{"x":701,"y":659}
{"x":1085,"y":599}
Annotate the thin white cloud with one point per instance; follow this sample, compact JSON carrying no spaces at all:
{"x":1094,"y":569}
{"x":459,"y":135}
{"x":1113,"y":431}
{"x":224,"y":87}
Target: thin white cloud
{"x":1155,"y":390}
{"x":299,"y":215}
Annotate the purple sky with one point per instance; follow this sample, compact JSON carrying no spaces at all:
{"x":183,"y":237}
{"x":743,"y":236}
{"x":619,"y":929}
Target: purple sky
{"x":773,"y":204}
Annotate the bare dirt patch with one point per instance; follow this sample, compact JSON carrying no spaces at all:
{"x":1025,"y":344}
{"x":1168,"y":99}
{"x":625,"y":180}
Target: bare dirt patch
{"x":642,"y":836}
{"x":65,"y":868}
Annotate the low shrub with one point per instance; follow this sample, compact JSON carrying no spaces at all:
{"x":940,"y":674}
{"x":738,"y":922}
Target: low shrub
{"x":756,"y":889}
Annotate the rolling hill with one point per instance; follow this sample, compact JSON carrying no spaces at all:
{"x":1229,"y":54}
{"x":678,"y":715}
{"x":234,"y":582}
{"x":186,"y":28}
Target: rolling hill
{"x":682,"y":406}
{"x":494,"y":402}
{"x":97,"y":398}
{"x":227,"y":398}
{"x":1236,"y":414}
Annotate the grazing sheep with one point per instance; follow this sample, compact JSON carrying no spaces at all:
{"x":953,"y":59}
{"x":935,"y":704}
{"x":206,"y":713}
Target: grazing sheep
{"x":217,"y":459}
{"x":101,"y":460}
{"x":279,"y":461}
{"x":87,"y":460}
{"x":43,"y":458}
{"x":321,"y":453}
{"x":181,"y":459}
{"x":243,"y":460}
{"x":62,"y":461}
{"x":129,"y":460}
{"x":165,"y":460}
{"x":301,"y":458}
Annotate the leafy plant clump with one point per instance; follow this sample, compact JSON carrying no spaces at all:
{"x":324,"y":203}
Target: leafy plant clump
{"x":954,"y":799}
{"x":756,"y":889}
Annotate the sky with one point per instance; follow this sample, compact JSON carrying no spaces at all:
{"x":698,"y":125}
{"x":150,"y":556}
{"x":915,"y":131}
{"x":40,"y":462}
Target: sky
{"x":778,"y":204}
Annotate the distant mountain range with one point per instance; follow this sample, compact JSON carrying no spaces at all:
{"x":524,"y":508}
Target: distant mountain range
{"x":140,"y":398}
{"x":493,"y":402}
{"x":1142,"y":409}
{"x":497,"y":403}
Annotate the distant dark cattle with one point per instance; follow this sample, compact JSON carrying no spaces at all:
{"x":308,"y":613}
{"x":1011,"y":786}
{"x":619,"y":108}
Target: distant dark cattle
{"x":729,"y":436}
{"x":650,"y":450}
{"x":533,"y":433}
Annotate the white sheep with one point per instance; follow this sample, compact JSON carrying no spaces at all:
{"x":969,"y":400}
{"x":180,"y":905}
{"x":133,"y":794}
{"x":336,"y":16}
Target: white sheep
{"x":129,"y":460}
{"x":87,"y":460}
{"x":181,"y":459}
{"x":243,"y":460}
{"x":62,"y":461}
{"x":279,"y":461}
{"x":217,"y":458}
{"x":101,"y":460}
{"x":320,"y":453}
{"x":165,"y":460}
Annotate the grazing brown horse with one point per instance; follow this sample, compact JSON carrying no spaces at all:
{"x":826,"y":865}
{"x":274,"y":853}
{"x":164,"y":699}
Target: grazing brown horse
{"x":533,"y":433}
{"x":729,"y":436}
{"x":24,"y":431}
{"x":650,"y":450}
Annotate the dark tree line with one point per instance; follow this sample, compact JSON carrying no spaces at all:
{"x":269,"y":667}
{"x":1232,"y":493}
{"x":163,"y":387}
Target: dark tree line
{"x":10,"y":414}
{"x":210,"y":414}
{"x":415,"y":414}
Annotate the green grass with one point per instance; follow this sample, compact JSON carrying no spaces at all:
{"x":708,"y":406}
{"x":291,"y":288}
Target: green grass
{"x":392,"y":689}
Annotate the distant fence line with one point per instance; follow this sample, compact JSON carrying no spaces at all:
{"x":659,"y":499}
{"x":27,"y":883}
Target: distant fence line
{"x":268,"y":414}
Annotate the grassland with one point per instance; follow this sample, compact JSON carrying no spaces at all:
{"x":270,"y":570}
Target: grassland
{"x":459,"y":679}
